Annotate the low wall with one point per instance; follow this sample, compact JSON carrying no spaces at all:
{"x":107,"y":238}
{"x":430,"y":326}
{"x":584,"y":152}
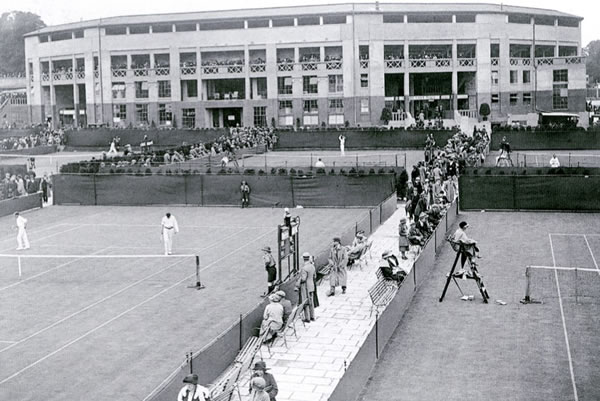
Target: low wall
{"x":222,"y":190}
{"x":358,"y":372}
{"x":356,"y":139}
{"x":574,"y":190}
{"x":8,"y":132}
{"x":102,"y":137}
{"x":548,"y":140}
{"x":215,"y":357}
{"x":20,"y":204}
{"x":38,"y":150}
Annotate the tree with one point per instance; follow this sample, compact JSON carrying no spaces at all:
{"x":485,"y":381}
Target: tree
{"x":386,"y":115}
{"x":13,"y":25}
{"x":484,"y":110}
{"x":592,"y":64}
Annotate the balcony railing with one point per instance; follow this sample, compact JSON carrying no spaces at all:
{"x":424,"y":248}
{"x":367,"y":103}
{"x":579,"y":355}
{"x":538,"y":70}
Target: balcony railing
{"x":162,"y":71}
{"x":96,"y":74}
{"x":80,"y":74}
{"x":550,"y":61}
{"x":140,"y":72}
{"x":467,"y":62}
{"x":364,"y":64}
{"x":574,"y":60}
{"x":516,"y":61}
{"x":45,"y":76}
{"x":210,"y":69}
{"x":394,"y":63}
{"x":469,"y":113}
{"x":495,"y":61}
{"x":544,"y":61}
{"x":285,"y":66}
{"x":190,"y":70}
{"x":235,"y":69}
{"x":62,"y":76}
{"x":309,"y":65}
{"x":119,"y":72}
{"x":223,"y":69}
{"x":398,"y":116}
{"x":333,"y":65}
{"x":258,"y":67}
{"x":431,"y":63}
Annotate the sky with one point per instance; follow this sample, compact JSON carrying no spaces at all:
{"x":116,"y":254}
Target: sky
{"x":55,"y":12}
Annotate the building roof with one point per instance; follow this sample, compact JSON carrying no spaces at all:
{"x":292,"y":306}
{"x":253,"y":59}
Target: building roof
{"x":279,"y":12}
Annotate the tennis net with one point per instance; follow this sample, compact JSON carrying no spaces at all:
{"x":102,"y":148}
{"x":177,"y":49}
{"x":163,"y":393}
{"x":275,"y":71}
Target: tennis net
{"x":544,"y":283}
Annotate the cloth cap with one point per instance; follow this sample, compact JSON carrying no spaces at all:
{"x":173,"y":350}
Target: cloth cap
{"x":281,"y":293}
{"x":192,"y":379}
{"x":274,"y":298}
{"x":260,"y":365}
{"x":266,"y":249}
{"x":337,"y":239}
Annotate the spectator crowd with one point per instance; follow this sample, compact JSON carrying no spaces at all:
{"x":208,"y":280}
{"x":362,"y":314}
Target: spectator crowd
{"x":46,"y":137}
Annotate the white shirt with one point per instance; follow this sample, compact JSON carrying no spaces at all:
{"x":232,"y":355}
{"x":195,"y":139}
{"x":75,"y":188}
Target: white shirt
{"x":21,"y":223}
{"x":201,"y":393}
{"x":319,"y":164}
{"x":169,"y":223}
{"x":554,"y":162}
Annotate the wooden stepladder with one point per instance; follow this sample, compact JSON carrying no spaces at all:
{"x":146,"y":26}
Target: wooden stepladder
{"x":472,"y":275}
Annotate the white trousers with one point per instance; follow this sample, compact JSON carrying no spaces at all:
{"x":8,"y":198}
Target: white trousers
{"x":22,"y":240}
{"x":168,"y":239}
{"x":342,"y":150}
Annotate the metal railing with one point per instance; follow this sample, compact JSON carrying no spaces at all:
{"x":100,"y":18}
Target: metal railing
{"x":333,"y":65}
{"x":258,"y":67}
{"x":188,"y":70}
{"x":364,"y":64}
{"x":467,"y":62}
{"x":309,"y":65}
{"x":394,"y":63}
{"x":285,"y":66}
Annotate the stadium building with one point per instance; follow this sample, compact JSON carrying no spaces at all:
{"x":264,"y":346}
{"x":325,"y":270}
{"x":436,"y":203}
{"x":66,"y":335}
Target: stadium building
{"x":308,"y":65}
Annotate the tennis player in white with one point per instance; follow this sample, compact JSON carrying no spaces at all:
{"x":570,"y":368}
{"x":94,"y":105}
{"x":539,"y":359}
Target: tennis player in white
{"x":168,"y":228}
{"x":22,"y":240}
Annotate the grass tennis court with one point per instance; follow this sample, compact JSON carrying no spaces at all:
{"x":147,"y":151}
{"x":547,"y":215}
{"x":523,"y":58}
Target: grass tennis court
{"x":537,"y":158}
{"x":115,"y":328}
{"x":460,"y":350}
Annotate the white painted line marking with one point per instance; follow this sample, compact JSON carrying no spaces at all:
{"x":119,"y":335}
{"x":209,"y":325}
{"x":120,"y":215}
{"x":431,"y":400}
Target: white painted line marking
{"x":591,"y":253}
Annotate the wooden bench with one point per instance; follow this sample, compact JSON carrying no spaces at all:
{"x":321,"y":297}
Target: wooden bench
{"x":381,"y":293}
{"x":226,"y":384}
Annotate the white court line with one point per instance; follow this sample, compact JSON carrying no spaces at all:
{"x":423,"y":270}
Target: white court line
{"x":127,"y":311}
{"x":591,"y":253}
{"x":575,"y":235}
{"x":562,"y":268}
{"x":42,"y":238}
{"x":7,"y":342}
{"x":44,"y":272}
{"x":158,"y":225}
{"x":564,"y":323}
{"x":111,"y":256}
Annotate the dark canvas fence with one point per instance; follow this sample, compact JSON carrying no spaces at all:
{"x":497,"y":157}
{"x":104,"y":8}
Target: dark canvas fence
{"x":530,"y":192}
{"x":101,"y":137}
{"x":20,"y":204}
{"x":548,"y":140}
{"x":222,"y":190}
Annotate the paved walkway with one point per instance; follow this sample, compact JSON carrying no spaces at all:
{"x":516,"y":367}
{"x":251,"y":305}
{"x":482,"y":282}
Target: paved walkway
{"x":310,"y":368}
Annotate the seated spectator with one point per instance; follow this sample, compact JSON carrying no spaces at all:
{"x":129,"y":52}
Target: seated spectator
{"x":177,"y":157}
{"x":434,"y":215}
{"x":422,"y":224}
{"x":554,"y":162}
{"x":167,"y":158}
{"x":470,"y":245}
{"x":390,"y":269}
{"x":287,"y":305}
{"x":358,"y":245}
{"x":272,"y":318}
{"x":320,"y":164}
{"x":414,"y":236}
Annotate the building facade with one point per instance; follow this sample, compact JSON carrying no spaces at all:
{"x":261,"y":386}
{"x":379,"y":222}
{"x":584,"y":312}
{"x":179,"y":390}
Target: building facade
{"x":309,"y":65}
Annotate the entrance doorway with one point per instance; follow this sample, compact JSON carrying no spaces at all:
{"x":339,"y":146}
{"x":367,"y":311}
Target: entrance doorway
{"x":226,"y":117}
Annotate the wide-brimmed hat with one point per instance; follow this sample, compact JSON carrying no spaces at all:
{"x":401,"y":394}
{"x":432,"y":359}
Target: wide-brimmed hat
{"x":266,"y":249}
{"x":260,"y":365}
{"x":337,"y":239}
{"x":192,"y":379}
{"x":386,"y":254}
{"x":306,"y":255}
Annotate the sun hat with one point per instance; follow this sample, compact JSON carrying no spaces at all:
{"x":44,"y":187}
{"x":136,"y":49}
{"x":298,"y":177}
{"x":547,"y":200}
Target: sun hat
{"x":192,"y":379}
{"x":260,"y":365}
{"x":306,"y":255}
{"x":386,"y":254}
{"x":274,"y":298}
{"x":281,"y":293}
{"x":266,"y":249}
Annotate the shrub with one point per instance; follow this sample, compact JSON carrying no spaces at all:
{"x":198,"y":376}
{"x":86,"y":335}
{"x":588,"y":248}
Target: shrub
{"x":139,"y":173}
{"x":273,"y":171}
{"x":111,"y":171}
{"x":250,"y":171}
{"x":168,"y":172}
{"x":229,"y":170}
{"x":352,"y":171}
{"x":283,"y":171}
{"x":292,"y":171}
{"x":195,"y":171}
{"x":300,"y":172}
{"x":381,"y":171}
{"x":342,"y":172}
{"x":371,"y":171}
{"x":309,"y":174}
{"x":261,"y":172}
{"x":119,"y":170}
{"x":386,"y":115}
{"x":222,"y":171}
{"x":159,"y":172}
{"x":321,"y":171}
{"x":332,"y":172}
{"x":148,"y":171}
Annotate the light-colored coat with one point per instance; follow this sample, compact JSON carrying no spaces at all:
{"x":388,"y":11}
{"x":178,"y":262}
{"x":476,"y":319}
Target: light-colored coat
{"x":338,"y":259}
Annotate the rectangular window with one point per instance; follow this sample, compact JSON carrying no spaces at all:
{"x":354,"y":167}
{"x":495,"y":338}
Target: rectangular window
{"x":188,"y":119}
{"x":141,"y":113}
{"x":560,"y":75}
{"x":286,"y":121}
{"x":311,"y":106}
{"x":495,"y":77}
{"x":164,"y":88}
{"x":495,"y":98}
{"x":192,"y":88}
{"x":284,"y":85}
{"x":336,"y":105}
{"x":560,"y":96}
{"x":260,"y":116}
{"x":285,"y":107}
{"x":519,"y":19}
{"x":514,"y":98}
{"x":118,"y":90}
{"x":165,"y":116}
{"x":336,"y":119}
{"x":364,"y":105}
{"x":527,"y":98}
{"x":364,"y":80}
{"x":514,"y":76}
{"x":119,"y":112}
{"x":526,"y":76}
{"x":336,"y":83}
{"x":310,"y":84}
{"x":141,"y":89}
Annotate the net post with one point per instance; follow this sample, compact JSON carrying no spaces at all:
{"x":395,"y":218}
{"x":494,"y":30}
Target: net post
{"x":576,"y":290}
{"x":198,"y":285}
{"x":19,"y":263}
{"x":527,"y":298}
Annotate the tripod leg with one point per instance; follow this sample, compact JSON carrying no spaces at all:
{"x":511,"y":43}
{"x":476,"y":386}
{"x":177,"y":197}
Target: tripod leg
{"x":450,"y":276}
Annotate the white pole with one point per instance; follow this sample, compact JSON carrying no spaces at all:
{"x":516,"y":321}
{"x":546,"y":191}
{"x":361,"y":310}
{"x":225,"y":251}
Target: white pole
{"x":19,"y":263}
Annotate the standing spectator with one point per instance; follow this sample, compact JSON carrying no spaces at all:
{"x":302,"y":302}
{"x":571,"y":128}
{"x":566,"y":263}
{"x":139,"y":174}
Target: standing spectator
{"x":168,"y":229}
{"x":342,"y":139}
{"x":414,"y":174}
{"x":113,"y":147}
{"x":192,"y":391}
{"x":22,"y":240}
{"x":320,"y":164}
{"x":45,"y":187}
{"x":338,"y":260}
{"x":260,"y":371}
{"x":403,"y":238}
{"x":257,"y":389}
{"x":448,"y":188}
{"x":20,"y":186}
{"x":554,"y":162}
{"x":306,"y":287}
{"x":245,"y":190}
{"x":270,"y":264}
